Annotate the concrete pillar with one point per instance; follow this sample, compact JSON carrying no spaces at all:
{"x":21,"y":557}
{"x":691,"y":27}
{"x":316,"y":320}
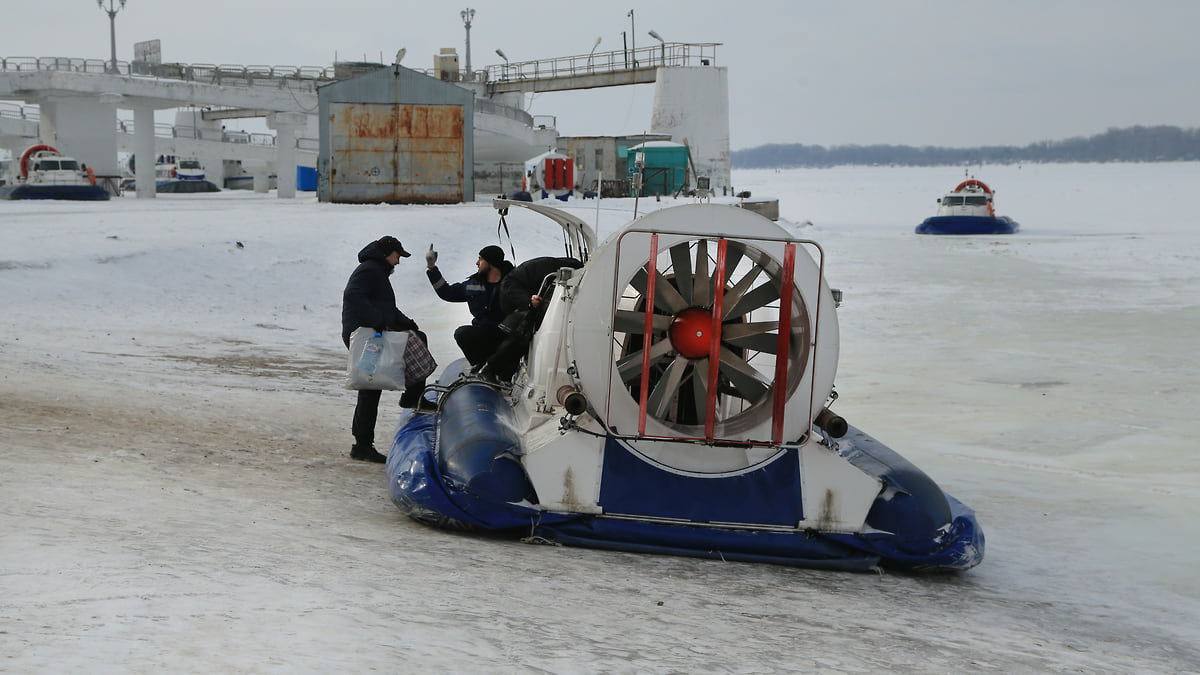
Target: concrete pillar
{"x":83,"y":127}
{"x":692,"y":103}
{"x":285,"y":126}
{"x":143,"y":150}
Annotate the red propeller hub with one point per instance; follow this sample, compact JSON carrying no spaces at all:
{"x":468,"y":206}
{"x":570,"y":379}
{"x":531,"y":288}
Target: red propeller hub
{"x":691,"y":332}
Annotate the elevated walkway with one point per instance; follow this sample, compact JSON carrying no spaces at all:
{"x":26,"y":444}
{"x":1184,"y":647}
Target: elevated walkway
{"x":602,"y":69}
{"x":77,"y":101}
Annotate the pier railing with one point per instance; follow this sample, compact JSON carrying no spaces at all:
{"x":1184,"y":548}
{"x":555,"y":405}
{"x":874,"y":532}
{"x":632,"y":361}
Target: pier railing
{"x":665,"y":54}
{"x":206,"y":73}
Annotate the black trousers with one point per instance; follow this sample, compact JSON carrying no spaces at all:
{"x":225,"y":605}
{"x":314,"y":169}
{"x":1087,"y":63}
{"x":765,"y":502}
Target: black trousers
{"x":478,"y":342}
{"x":366,"y":411}
{"x":504,"y":362}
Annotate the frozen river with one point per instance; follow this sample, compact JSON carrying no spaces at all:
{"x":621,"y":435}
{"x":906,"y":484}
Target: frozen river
{"x":177,"y":496}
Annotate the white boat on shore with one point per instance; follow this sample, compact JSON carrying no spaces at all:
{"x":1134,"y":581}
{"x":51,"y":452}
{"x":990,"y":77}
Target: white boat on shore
{"x":45,"y":173}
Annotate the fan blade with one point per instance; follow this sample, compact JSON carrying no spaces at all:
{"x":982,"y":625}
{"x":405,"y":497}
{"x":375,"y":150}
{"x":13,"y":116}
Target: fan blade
{"x":629,"y":321}
{"x":747,"y":381}
{"x":700,"y":388}
{"x":759,"y":297}
{"x":666,"y":297}
{"x":702,"y":286}
{"x":733,"y":256}
{"x":667,"y":388}
{"x":755,"y":335}
{"x":681,"y":260}
{"x":734,"y":295}
{"x":639,"y":281}
{"x":630,"y":366}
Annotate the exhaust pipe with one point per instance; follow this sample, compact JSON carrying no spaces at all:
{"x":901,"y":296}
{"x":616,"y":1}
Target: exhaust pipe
{"x":831,"y":423}
{"x":572,"y":400}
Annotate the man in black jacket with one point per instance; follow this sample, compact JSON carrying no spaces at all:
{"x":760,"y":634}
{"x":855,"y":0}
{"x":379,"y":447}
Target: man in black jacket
{"x":481,"y":292}
{"x":523,"y":304}
{"x":370,"y":301}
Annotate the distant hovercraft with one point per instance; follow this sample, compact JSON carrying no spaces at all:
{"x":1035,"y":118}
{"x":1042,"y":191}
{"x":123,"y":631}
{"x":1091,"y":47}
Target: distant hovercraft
{"x":968,"y":209}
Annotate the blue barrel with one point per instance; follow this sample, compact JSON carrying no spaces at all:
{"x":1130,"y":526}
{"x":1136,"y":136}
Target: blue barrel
{"x":478,"y":446}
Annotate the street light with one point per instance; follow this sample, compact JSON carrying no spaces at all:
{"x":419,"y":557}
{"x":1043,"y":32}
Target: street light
{"x":632,"y":38}
{"x":593,"y":52}
{"x":468,"y":14}
{"x":663,"y":42}
{"x":501,"y":55}
{"x":112,"y":28}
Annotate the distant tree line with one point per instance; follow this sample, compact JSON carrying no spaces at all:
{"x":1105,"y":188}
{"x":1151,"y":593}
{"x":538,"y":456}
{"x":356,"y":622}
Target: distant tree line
{"x":1133,"y":144}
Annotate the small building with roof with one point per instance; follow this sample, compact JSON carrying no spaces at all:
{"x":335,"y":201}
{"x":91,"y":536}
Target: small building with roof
{"x":395,"y":135}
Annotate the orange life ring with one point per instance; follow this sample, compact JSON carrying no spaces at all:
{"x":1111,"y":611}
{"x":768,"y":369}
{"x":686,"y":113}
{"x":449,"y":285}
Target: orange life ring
{"x":972,"y":181}
{"x":91,"y":175}
{"x":29,"y":151}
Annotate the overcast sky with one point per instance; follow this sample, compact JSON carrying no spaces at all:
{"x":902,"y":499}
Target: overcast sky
{"x":1008,"y":72}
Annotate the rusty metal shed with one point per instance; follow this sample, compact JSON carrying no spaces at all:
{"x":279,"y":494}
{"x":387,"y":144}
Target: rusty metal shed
{"x":398,"y":136}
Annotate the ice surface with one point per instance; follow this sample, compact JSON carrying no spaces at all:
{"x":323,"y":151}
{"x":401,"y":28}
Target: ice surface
{"x":177,"y":494}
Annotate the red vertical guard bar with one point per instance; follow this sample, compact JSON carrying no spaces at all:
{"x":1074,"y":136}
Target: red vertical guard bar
{"x":783,"y":345}
{"x":714,"y":348}
{"x":651,"y":275}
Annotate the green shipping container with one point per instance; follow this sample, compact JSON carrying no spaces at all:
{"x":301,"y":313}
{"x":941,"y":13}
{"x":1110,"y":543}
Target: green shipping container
{"x":666,"y":167}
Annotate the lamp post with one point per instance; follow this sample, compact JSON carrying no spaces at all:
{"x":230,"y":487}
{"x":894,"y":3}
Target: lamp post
{"x":593,"y":52}
{"x":632,"y":37}
{"x":112,"y":29}
{"x":501,"y":55}
{"x":467,"y":15}
{"x":656,"y":36}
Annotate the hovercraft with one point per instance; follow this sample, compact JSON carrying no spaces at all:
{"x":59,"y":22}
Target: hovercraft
{"x":968,"y":209}
{"x":47,"y":174}
{"x":675,"y":400}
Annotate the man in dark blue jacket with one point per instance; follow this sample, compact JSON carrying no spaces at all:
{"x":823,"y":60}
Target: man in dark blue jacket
{"x":481,"y":292}
{"x":370,"y":301}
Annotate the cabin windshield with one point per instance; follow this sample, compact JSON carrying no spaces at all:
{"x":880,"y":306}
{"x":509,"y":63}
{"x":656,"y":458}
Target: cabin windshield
{"x":952,"y":201}
{"x":189,"y":164}
{"x":57,"y":165}
{"x":976,"y":201}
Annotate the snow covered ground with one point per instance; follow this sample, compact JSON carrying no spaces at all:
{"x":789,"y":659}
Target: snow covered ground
{"x":177,"y":494}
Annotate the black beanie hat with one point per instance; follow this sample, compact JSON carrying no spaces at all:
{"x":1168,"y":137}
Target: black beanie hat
{"x":494,"y":255}
{"x":389,"y":243}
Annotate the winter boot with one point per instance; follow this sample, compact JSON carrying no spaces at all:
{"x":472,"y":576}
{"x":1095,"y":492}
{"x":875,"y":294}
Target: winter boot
{"x":411,"y":396}
{"x":366,"y":453}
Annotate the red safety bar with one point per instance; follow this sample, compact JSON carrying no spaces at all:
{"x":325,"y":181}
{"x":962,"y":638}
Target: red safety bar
{"x":783,"y":345}
{"x":714,"y":349}
{"x":651,"y":275}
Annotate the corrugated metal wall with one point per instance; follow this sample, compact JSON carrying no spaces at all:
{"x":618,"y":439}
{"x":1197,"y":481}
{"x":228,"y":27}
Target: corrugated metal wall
{"x":396,"y":153}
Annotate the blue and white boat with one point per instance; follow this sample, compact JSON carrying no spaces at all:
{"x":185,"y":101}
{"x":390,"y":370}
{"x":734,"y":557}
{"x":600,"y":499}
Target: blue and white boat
{"x":675,"y":399}
{"x":968,"y":209}
{"x":45,"y":173}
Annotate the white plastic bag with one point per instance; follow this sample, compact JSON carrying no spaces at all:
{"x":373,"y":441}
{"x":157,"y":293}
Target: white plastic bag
{"x":376,"y":359}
